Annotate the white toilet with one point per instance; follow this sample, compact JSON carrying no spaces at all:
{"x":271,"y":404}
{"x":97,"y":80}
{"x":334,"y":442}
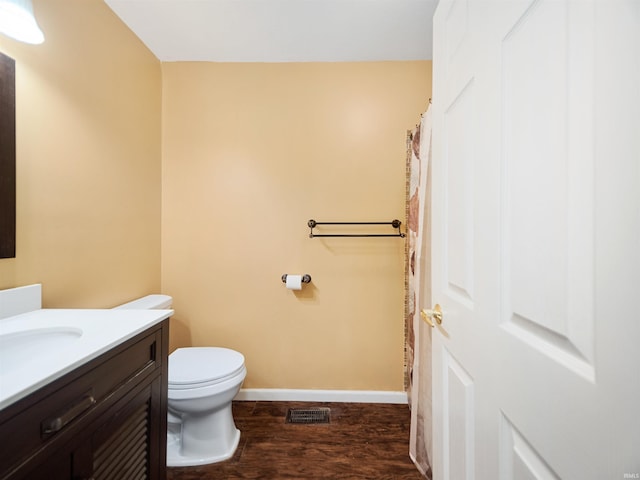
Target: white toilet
{"x":202,"y":383}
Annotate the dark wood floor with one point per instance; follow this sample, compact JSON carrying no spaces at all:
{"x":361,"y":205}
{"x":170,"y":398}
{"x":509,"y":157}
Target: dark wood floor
{"x":363,"y":441}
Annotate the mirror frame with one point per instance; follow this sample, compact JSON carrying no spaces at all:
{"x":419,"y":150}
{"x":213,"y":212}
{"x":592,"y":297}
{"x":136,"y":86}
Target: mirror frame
{"x":7,"y":157}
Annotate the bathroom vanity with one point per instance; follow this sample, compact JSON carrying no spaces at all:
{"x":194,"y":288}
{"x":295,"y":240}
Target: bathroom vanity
{"x":92,"y":403}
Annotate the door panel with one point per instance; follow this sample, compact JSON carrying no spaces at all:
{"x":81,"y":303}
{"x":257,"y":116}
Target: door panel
{"x":459,"y":199}
{"x":459,"y":411}
{"x":548,"y":184}
{"x":518,"y":459}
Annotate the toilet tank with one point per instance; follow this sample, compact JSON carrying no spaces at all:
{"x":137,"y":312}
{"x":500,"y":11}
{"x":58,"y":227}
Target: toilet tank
{"x":150,"y":302}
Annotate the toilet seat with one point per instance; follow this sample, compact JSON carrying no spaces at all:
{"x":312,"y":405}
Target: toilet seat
{"x":196,"y":367}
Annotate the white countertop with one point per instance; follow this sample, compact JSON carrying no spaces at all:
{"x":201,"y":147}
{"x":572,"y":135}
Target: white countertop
{"x":74,"y":337}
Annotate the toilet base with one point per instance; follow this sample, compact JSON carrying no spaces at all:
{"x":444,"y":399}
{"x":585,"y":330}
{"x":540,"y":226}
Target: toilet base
{"x":175,"y":459}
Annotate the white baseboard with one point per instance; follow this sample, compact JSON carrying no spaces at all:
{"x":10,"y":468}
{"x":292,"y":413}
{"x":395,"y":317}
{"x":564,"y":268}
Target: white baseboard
{"x":346,"y":396}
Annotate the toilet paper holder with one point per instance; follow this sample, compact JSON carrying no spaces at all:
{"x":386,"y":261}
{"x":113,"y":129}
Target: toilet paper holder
{"x":306,"y":278}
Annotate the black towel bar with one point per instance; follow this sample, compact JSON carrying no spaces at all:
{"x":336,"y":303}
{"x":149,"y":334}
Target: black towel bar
{"x":395,"y":224}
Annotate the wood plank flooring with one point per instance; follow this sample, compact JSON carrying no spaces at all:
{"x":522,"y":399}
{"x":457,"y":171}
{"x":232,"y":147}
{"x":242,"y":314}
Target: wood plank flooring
{"x":363,"y":441}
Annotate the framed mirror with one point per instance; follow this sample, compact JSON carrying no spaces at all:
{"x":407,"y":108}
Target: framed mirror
{"x":7,"y":157}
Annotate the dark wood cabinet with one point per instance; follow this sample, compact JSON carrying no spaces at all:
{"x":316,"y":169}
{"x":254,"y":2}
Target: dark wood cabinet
{"x":107,"y":419}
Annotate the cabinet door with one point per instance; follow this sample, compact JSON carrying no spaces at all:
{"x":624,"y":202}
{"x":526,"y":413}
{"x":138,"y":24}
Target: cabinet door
{"x":125,"y":445}
{"x":58,"y":467}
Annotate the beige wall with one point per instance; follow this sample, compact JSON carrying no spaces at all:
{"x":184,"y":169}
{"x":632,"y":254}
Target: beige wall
{"x":251,"y":152}
{"x":88,"y":159}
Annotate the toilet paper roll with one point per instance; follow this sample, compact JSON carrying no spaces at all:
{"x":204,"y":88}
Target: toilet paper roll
{"x":294,"y":282}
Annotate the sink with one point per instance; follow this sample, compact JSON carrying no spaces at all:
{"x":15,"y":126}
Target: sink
{"x":35,"y":345}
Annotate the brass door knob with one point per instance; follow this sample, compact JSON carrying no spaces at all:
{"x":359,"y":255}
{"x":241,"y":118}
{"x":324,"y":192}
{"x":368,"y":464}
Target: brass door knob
{"x":428,"y":315}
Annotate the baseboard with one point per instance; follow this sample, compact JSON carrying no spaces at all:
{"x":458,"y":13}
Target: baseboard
{"x":346,"y":396}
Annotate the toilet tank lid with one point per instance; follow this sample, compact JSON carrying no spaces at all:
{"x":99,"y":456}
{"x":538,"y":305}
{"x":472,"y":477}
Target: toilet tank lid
{"x":150,"y":302}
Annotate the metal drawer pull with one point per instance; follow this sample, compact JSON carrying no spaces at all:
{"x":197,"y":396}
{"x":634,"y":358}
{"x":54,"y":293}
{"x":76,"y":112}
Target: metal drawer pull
{"x":53,"y":425}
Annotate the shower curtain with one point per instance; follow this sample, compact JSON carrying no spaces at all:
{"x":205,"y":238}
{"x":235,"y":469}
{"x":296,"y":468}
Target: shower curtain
{"x":418,"y":292}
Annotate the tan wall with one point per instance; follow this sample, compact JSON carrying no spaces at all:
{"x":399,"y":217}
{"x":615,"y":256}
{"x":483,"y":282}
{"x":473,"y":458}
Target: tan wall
{"x":251,"y":152}
{"x":88,"y":159}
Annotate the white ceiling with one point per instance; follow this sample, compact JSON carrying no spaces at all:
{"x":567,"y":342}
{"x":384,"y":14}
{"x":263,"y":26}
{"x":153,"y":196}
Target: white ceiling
{"x":281,"y":30}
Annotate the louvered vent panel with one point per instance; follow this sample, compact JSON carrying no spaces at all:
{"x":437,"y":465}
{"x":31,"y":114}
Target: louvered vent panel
{"x":124,"y":455}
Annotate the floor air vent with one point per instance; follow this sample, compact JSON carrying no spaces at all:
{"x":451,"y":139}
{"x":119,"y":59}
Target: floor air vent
{"x":308,"y":415}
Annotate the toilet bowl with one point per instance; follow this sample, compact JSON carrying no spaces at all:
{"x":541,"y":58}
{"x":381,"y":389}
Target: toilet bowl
{"x":202,"y":383}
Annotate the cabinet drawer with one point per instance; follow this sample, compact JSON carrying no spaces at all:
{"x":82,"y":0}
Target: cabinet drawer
{"x":56,"y":413}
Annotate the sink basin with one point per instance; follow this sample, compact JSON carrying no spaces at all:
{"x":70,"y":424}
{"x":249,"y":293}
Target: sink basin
{"x":36,"y":345}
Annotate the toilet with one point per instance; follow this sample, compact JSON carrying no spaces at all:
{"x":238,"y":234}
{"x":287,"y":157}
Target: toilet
{"x":202,"y":383}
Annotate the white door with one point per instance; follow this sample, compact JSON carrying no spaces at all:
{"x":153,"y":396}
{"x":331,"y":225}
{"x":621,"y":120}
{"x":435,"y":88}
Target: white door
{"x":536,"y":239}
